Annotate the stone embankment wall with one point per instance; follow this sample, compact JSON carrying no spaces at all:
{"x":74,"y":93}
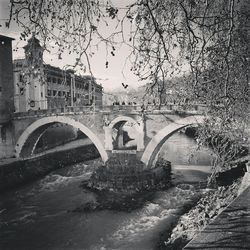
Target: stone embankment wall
{"x":22,"y":171}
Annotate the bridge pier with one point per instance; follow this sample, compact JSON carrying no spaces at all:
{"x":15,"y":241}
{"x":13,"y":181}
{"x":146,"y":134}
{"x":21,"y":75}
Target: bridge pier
{"x":108,"y":138}
{"x":124,"y":172}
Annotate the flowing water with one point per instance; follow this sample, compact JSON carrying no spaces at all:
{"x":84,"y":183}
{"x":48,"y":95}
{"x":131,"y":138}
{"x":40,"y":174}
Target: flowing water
{"x":40,"y":214}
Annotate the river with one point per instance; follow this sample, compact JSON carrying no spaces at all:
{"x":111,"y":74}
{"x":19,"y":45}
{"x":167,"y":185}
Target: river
{"x":40,"y":215}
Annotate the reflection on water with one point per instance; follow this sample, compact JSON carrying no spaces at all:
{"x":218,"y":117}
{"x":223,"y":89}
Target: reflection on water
{"x":37,"y":216}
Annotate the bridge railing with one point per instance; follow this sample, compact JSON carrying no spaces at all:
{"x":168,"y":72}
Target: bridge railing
{"x":113,"y":108}
{"x":184,"y":107}
{"x":128,"y":108}
{"x":53,"y":111}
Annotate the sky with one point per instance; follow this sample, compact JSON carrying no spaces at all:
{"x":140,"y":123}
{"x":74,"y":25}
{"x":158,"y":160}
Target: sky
{"x":111,"y":78}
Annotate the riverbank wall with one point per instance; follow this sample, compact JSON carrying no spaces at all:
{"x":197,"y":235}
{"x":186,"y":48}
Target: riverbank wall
{"x":230,"y":185}
{"x":22,"y":171}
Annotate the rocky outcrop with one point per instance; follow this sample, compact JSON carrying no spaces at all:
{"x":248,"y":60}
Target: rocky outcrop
{"x":125,"y":173}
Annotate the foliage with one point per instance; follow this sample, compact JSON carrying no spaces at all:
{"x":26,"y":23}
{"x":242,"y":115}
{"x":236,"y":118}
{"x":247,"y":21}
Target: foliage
{"x":63,"y":25}
{"x":227,"y":139}
{"x":207,"y":43}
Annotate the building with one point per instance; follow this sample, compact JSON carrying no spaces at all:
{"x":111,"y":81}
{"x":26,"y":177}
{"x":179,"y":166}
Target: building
{"x":42,"y":86}
{"x":6,"y":79}
{"x":6,"y":96}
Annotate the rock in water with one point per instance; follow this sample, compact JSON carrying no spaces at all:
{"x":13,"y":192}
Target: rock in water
{"x":123,"y":172}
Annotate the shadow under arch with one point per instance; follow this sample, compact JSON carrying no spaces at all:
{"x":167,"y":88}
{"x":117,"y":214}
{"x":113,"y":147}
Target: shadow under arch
{"x":30,"y":136}
{"x":138,"y":127}
{"x":158,"y":140}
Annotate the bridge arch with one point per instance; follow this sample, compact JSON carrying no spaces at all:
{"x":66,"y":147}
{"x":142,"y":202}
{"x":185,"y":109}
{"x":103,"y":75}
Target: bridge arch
{"x":158,"y":140}
{"x":125,"y":119}
{"x":138,"y":127}
{"x":38,"y":127}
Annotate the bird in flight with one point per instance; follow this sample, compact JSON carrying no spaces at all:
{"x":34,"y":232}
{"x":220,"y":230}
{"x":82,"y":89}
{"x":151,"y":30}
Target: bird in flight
{"x":124,"y":85}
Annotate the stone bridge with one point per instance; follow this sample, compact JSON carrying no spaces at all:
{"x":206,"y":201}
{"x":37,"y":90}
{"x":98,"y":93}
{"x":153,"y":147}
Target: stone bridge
{"x":104,"y":125}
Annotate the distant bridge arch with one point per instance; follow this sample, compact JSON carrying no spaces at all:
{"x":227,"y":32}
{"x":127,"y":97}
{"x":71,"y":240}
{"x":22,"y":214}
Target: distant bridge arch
{"x":158,"y":140}
{"x":125,"y":119}
{"x":138,"y":125}
{"x":29,"y":138}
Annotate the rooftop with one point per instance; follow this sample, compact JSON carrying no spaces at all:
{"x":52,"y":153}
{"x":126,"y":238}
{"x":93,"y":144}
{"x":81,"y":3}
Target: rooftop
{"x":2,"y":37}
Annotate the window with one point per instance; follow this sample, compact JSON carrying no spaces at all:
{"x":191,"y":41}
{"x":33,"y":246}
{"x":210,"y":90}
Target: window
{"x":21,"y":91}
{"x":48,"y":79}
{"x":19,"y":65}
{"x":59,"y":93}
{"x":41,"y":94}
{"x":63,"y":93}
{"x":20,"y":78}
{"x":3,"y":133}
{"x":0,"y":89}
{"x":54,"y":80}
{"x":49,"y":92}
{"x":54,"y":92}
{"x":59,"y":81}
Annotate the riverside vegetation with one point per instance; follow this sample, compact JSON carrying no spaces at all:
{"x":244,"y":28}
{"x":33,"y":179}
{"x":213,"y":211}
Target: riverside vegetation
{"x":213,"y":202}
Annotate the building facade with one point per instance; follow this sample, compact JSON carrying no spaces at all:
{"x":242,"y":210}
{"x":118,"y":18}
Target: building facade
{"x":6,"y":96}
{"x":6,"y":79}
{"x":42,"y":86}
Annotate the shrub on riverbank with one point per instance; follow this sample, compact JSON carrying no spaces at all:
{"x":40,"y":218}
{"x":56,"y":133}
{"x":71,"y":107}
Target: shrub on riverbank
{"x":208,"y":207}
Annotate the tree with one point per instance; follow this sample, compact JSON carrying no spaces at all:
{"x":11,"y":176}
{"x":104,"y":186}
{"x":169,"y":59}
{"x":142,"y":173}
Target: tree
{"x":204,"y":41}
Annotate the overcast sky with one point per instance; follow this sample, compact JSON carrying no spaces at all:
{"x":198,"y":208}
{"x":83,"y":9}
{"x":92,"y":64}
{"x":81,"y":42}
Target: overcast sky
{"x":110,"y":78}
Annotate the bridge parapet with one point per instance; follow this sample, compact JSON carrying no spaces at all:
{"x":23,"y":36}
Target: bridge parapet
{"x":57,"y":111}
{"x":168,"y":108}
